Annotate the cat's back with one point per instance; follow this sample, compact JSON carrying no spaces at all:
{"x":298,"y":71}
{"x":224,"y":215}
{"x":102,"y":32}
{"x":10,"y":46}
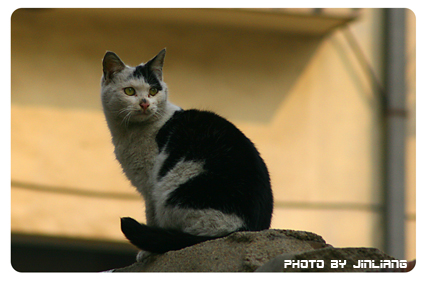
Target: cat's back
{"x":198,"y":125}
{"x":204,"y":135}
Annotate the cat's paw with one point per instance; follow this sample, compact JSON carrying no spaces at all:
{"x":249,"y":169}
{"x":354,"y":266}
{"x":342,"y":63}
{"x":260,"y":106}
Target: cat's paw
{"x":142,"y":255}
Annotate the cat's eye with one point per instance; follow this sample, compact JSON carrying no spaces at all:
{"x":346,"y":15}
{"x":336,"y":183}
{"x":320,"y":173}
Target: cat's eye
{"x":129,"y":91}
{"x":153,"y":91}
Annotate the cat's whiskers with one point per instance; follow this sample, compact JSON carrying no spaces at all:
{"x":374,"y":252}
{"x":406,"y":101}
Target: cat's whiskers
{"x":159,"y":114}
{"x":123,"y":110}
{"x":126,"y":119}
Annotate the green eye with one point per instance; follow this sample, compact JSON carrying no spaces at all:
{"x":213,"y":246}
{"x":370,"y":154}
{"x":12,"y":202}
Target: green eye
{"x":153,"y":91}
{"x":129,"y":91}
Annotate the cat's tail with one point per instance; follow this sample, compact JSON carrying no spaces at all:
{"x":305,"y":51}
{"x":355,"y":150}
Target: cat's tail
{"x":158,"y":240}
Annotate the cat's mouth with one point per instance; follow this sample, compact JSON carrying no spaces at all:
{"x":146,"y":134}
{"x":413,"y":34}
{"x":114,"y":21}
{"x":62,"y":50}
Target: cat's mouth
{"x":141,"y":114}
{"x":144,"y":112}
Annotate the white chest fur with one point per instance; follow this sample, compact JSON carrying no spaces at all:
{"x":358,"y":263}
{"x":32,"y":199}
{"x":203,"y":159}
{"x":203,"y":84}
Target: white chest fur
{"x":136,"y":151}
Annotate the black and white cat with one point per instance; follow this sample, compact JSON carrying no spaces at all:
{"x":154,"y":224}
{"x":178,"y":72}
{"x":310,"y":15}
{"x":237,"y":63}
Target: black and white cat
{"x":200,"y":176}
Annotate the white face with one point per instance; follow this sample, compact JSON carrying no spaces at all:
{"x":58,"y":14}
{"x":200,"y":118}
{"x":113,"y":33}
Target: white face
{"x":128,"y":98}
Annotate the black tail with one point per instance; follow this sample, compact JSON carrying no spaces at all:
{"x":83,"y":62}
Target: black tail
{"x":158,"y":240}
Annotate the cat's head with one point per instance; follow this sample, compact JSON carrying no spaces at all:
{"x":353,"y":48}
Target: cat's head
{"x":133,"y":94}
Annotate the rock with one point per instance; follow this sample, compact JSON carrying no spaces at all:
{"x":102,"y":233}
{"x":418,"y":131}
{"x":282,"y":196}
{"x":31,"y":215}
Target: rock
{"x":334,"y":260}
{"x":263,"y":251}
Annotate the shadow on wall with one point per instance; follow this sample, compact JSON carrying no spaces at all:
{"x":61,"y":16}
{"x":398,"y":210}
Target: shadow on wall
{"x":243,"y":74}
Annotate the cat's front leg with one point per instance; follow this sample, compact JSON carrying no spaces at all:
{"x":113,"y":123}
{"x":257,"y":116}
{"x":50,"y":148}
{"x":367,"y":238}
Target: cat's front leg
{"x":150,"y":213}
{"x":143,"y":255}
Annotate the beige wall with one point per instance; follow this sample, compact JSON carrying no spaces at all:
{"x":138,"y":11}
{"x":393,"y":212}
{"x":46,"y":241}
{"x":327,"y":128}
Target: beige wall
{"x":303,"y":100}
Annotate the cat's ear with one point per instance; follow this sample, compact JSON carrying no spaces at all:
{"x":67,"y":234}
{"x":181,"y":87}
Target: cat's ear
{"x":111,"y":64}
{"x":155,"y":64}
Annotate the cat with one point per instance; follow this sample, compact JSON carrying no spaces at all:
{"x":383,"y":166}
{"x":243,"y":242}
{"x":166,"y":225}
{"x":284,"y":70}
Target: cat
{"x":200,"y":176}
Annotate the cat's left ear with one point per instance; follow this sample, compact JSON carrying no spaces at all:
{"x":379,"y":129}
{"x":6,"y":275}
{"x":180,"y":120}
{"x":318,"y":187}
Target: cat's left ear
{"x":155,"y":64}
{"x":111,"y":65}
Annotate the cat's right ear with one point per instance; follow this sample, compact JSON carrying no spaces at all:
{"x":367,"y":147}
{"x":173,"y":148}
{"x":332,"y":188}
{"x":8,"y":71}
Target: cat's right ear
{"x":111,"y":65}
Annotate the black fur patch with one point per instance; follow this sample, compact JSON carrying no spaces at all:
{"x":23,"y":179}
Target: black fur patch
{"x":147,"y":74}
{"x":158,"y":240}
{"x":236,"y":179}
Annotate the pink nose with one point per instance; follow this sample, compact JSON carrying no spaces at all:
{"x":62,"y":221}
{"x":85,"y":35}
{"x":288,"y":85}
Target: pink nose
{"x":144,"y":105}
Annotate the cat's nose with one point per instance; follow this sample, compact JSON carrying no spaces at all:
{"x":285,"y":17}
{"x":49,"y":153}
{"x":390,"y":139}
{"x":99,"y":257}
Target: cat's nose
{"x":144,"y":104}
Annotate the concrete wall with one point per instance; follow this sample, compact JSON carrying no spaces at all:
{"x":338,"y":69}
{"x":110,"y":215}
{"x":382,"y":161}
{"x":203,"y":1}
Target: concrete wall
{"x":303,"y":99}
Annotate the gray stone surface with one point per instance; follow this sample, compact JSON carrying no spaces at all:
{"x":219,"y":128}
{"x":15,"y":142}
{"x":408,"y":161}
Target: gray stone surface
{"x":264,"y":251}
{"x":343,"y":260}
{"x":238,"y":252}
